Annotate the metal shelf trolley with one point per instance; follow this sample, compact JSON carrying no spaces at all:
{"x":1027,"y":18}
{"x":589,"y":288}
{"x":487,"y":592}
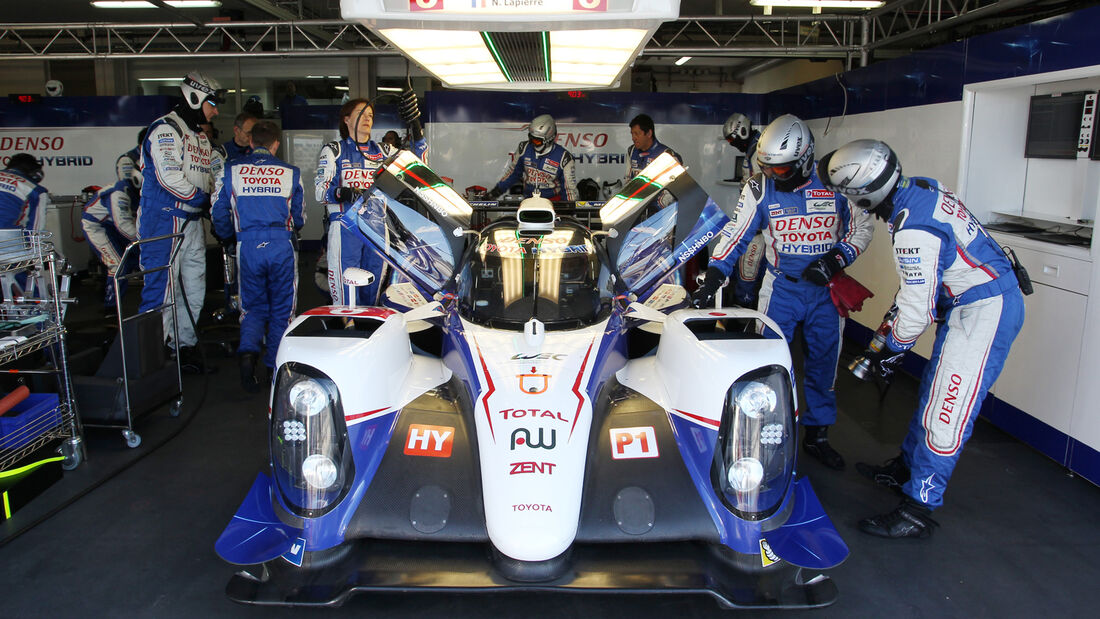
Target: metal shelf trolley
{"x":31,"y":313}
{"x":136,"y":377}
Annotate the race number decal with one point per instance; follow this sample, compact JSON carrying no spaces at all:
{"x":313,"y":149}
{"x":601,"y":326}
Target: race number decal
{"x":632,"y":443}
{"x":589,"y":5}
{"x":425,"y":5}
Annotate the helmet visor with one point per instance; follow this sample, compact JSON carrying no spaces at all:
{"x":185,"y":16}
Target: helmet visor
{"x":536,"y":142}
{"x":779,"y":172}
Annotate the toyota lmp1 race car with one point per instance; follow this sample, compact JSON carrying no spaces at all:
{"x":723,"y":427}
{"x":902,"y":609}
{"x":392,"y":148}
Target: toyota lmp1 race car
{"x":523,"y":416}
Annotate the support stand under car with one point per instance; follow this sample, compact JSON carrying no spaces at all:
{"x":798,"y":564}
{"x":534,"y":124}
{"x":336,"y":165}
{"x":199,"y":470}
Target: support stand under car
{"x":135,"y":377}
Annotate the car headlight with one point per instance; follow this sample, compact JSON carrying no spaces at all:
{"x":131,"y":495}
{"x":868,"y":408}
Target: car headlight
{"x":755,"y":460}
{"x":310,"y":451}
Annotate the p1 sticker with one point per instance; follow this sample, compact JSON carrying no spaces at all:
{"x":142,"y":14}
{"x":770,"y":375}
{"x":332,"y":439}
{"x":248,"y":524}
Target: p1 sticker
{"x":632,"y":443}
{"x":432,"y":441}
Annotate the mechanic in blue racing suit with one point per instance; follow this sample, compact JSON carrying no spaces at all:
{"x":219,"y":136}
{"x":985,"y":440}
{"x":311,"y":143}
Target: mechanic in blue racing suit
{"x":23,"y":201}
{"x":108,"y":223}
{"x":739,"y":134}
{"x":948,"y":264}
{"x":543,"y":164}
{"x":260,"y":204}
{"x":177,"y":160}
{"x":130,"y":161}
{"x":810,"y":234}
{"x":345,"y":169}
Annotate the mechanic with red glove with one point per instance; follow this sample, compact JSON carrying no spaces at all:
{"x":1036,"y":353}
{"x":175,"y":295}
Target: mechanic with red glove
{"x":943,"y":256}
{"x":810,"y":235}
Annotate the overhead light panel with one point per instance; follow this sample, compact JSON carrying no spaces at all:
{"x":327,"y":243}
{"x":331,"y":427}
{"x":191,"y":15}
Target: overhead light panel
{"x":828,"y":4}
{"x":683,"y":60}
{"x":142,"y":4}
{"x":506,"y":45}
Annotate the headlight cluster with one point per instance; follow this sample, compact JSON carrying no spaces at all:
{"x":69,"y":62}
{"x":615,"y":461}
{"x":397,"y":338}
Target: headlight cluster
{"x":310,"y":451}
{"x":755,"y":459}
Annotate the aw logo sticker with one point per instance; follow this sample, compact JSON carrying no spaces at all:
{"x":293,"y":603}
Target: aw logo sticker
{"x":767,"y":555}
{"x":632,"y":443}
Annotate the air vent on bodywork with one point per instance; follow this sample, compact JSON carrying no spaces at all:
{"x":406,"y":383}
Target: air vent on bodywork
{"x":521,"y":56}
{"x":336,"y":326}
{"x":724,"y":328}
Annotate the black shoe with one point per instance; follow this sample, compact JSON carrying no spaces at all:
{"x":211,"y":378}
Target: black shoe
{"x":909,"y":519}
{"x":247,"y":365}
{"x":191,"y":361}
{"x":892,"y":474}
{"x":816,"y":444}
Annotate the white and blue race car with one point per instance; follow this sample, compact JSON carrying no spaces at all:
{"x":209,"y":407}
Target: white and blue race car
{"x":532,"y":412}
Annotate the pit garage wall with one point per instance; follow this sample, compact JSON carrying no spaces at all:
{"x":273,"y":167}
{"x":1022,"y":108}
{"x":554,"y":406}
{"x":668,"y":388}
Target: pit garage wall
{"x":915,"y":104}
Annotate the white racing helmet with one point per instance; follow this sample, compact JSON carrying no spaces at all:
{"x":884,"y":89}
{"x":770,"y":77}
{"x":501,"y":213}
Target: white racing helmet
{"x":54,"y":88}
{"x":785,"y":152}
{"x":198,"y":88}
{"x":541,"y":133}
{"x":737,"y":127}
{"x":864,"y":171}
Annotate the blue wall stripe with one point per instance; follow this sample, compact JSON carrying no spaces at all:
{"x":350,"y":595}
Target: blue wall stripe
{"x":85,"y":111}
{"x":938,"y":75}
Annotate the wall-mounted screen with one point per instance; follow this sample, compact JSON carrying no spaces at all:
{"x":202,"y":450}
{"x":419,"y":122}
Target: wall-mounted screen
{"x":1053,"y":125}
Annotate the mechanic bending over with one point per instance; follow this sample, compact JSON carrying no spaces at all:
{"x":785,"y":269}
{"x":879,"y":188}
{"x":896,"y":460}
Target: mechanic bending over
{"x":108,"y":223}
{"x":23,"y":201}
{"x":543,"y":164}
{"x":260,"y":205}
{"x":946,"y":261}
{"x":810,"y":234}
{"x":177,"y":158}
{"x":739,"y":134}
{"x":346,"y":169}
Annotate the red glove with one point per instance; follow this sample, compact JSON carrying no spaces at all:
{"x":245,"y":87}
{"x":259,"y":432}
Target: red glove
{"x":847,"y":294}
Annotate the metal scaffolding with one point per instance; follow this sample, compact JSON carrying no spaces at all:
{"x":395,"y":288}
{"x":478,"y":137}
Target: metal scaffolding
{"x":852,"y":36}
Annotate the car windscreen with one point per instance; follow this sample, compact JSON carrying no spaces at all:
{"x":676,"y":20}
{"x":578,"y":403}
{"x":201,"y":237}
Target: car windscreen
{"x":554,"y":277}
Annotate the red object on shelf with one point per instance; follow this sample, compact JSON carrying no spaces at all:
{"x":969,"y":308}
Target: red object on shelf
{"x":15,"y":397}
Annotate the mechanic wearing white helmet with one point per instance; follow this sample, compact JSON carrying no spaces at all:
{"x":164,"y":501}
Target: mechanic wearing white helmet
{"x":739,"y":133}
{"x":177,"y":183}
{"x":810,"y":234}
{"x":948,"y":264}
{"x":108,"y":224}
{"x":543,"y":164}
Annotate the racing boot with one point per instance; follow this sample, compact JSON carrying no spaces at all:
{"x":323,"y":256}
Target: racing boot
{"x":909,"y":519}
{"x":891,"y":474}
{"x":816,"y":443}
{"x":247,"y":364}
{"x":191,"y":360}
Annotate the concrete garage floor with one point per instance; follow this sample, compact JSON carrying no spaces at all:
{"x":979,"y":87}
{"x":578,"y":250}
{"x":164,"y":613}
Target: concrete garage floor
{"x":1019,"y":536}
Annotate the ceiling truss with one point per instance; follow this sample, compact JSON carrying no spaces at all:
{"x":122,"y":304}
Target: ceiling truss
{"x":852,"y":37}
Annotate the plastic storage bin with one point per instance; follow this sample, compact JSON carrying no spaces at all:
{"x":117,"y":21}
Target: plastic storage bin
{"x":29,"y":419}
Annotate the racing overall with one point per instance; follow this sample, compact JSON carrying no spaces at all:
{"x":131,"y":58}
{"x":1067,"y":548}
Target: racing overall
{"x":750,"y":265}
{"x":347,"y":164}
{"x":22,"y":202}
{"x":127,"y":163}
{"x":260,"y":203}
{"x":553,"y":175}
{"x":234,"y":151}
{"x":946,"y":261}
{"x":108,"y":223}
{"x":798,"y":228}
{"x":177,"y":182}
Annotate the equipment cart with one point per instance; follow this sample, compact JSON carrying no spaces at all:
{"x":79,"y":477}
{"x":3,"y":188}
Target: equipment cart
{"x":43,"y":427}
{"x":137,"y":375}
